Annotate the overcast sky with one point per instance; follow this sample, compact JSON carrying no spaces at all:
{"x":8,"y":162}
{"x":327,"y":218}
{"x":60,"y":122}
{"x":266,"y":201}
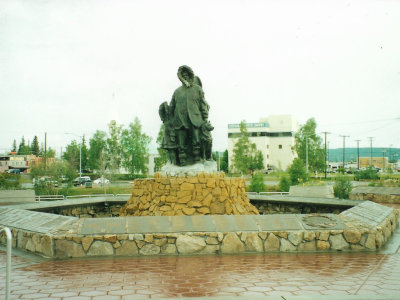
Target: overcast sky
{"x":72,"y":66}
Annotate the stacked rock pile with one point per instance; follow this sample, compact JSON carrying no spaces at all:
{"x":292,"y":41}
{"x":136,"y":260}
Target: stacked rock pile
{"x":204,"y":194}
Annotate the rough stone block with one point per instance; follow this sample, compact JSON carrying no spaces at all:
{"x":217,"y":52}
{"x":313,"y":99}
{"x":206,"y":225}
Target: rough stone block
{"x":189,"y":244}
{"x":323,"y":245}
{"x":150,"y":249}
{"x":338,"y":242}
{"x":352,"y":236}
{"x":272,"y":243}
{"x":99,"y":248}
{"x":128,"y":248}
{"x":65,"y":248}
{"x":295,"y":237}
{"x":232,"y":244}
{"x":287,"y":246}
{"x":253,"y":243}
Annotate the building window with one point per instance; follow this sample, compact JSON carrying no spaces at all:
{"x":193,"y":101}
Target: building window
{"x":267,"y":155}
{"x":280,"y":146}
{"x":267,"y":146}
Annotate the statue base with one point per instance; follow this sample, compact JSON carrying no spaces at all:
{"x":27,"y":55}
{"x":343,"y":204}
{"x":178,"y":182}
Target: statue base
{"x":202,"y":194}
{"x":206,"y":166}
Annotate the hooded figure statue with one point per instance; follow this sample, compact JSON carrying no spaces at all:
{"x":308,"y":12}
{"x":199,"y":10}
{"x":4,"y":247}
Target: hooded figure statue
{"x":189,"y":112}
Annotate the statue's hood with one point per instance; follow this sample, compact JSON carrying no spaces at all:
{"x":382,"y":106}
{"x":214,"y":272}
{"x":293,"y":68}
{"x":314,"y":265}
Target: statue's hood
{"x":190,"y":72}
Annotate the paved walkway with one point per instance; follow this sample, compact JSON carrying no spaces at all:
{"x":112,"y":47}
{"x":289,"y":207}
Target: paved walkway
{"x":206,"y":276}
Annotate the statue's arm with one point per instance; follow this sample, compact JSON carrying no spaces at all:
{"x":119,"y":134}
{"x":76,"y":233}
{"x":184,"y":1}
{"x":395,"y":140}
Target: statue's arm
{"x":204,"y":107}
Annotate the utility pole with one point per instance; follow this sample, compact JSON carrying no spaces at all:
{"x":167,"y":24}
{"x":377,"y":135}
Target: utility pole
{"x":45,"y":152}
{"x":383,"y":160}
{"x":358,"y":154}
{"x":325,"y":133}
{"x":370,"y":150}
{"x":344,"y":143}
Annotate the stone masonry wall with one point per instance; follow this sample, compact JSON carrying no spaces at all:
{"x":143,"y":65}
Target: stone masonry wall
{"x":268,"y":208}
{"x":73,"y":245}
{"x":380,"y":198}
{"x":87,"y":211}
{"x":206,"y":193}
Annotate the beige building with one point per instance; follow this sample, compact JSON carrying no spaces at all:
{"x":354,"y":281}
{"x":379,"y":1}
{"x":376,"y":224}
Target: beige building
{"x":377,"y":162}
{"x":273,"y":136}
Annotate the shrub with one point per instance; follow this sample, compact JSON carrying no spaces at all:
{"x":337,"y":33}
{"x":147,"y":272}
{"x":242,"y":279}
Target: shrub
{"x":369,"y":173}
{"x":284,"y":184}
{"x":9,"y":181}
{"x":342,"y":188}
{"x":297,"y":172}
{"x":257,"y":183}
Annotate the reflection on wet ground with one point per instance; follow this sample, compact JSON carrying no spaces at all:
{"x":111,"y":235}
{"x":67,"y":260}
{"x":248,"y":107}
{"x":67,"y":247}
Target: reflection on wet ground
{"x":196,"y":276}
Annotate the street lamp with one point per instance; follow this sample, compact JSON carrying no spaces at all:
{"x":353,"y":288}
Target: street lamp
{"x":80,"y":152}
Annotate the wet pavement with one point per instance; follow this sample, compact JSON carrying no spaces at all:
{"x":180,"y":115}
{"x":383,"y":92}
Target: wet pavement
{"x":205,"y":276}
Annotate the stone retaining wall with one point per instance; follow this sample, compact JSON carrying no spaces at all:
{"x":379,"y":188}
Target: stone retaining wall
{"x":87,"y":211}
{"x":376,"y":194}
{"x":69,"y":242}
{"x":380,"y":198}
{"x":204,"y":194}
{"x":268,"y":208}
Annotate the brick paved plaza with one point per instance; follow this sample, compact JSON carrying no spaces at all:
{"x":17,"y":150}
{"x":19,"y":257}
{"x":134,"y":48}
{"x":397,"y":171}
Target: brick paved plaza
{"x":339,"y":274}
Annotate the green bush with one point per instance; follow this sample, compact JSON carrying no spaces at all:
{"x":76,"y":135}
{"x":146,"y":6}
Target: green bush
{"x":369,"y":173}
{"x":257,"y":183}
{"x":342,"y":188}
{"x":9,"y":181}
{"x":297,"y":172}
{"x":284,"y":184}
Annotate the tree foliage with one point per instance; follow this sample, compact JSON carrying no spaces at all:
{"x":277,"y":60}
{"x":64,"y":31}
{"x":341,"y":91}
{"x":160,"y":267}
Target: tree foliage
{"x":342,"y":188}
{"x":257,"y":183}
{"x":114,"y":146}
{"x":35,"y":146}
{"x":135,"y":148}
{"x":284,"y":184}
{"x":224,"y":162}
{"x":54,"y":170}
{"x":163,"y":154}
{"x":97,"y":154}
{"x":369,"y":173}
{"x":297,"y":172}
{"x":306,"y":137}
{"x":71,"y":154}
{"x":23,"y":148}
{"x":14,"y":146}
{"x":245,"y":154}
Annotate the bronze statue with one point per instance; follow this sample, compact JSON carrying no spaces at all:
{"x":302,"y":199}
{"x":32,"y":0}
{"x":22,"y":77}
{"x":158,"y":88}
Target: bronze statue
{"x":186,"y":127}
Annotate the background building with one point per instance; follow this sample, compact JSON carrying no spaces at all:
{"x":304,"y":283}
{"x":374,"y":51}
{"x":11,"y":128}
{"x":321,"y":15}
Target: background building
{"x":377,"y":162}
{"x":273,"y":136}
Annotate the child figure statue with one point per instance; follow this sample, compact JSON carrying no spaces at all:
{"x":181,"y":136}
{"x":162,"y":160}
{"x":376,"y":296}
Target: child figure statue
{"x":206,"y":140}
{"x":169,"y":140}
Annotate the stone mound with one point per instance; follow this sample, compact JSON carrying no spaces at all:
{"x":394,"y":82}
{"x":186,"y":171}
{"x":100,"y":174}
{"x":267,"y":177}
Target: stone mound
{"x":203,"y":194}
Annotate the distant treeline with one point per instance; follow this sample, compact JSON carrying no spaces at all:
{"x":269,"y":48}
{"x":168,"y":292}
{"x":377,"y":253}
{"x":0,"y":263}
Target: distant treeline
{"x":351,"y":153}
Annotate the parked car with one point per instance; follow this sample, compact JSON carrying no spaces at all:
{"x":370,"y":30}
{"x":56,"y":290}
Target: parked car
{"x":82,"y":180}
{"x":101,"y":180}
{"x":14,"y":171}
